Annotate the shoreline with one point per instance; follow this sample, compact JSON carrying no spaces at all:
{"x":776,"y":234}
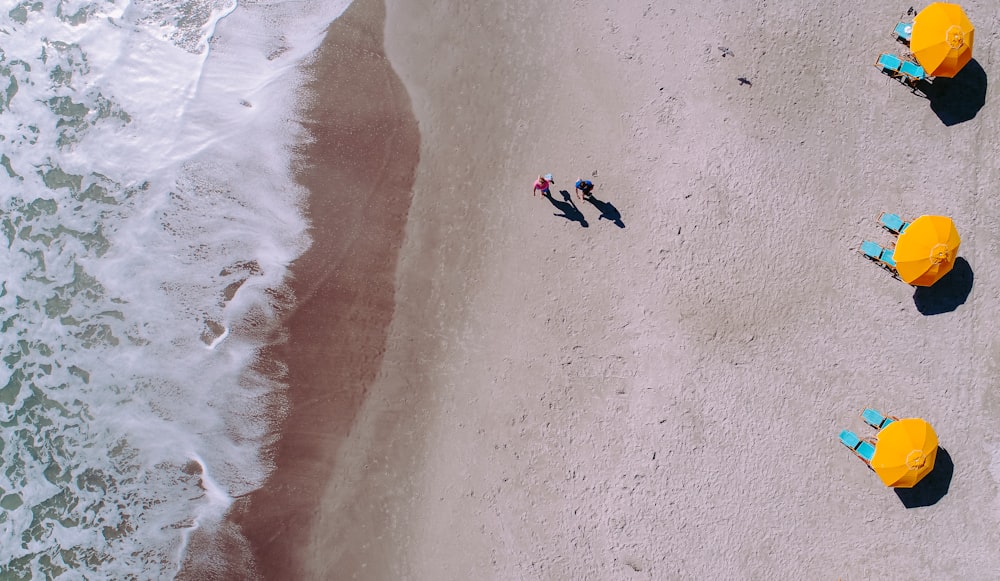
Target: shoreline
{"x":358,"y":170}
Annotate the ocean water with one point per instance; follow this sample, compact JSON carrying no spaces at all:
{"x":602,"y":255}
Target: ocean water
{"x":148,"y":215}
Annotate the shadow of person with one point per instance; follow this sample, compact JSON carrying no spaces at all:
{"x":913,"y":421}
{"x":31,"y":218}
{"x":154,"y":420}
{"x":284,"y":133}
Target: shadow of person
{"x":608,"y":211}
{"x":948,"y":293}
{"x":933,"y":487}
{"x":958,"y":99}
{"x":568,"y":208}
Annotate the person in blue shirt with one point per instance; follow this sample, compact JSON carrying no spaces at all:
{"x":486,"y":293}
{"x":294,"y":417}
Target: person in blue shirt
{"x":583,"y":188}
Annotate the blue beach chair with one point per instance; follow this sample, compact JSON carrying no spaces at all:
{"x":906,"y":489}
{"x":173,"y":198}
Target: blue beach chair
{"x":889,"y":64}
{"x":881,"y":256}
{"x":875,"y":419}
{"x":866,"y":451}
{"x":892,"y":223}
{"x":862,"y":448}
{"x":849,"y":439}
{"x":912,"y":72}
{"x":903,"y":32}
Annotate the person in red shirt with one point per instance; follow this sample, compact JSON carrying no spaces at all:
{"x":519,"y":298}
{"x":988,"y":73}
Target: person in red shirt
{"x":542,"y":185}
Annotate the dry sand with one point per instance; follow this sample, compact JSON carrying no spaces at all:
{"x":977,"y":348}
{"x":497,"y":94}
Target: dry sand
{"x":662,"y":400}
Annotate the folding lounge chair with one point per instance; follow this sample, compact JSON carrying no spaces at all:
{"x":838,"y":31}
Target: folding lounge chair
{"x":892,"y":223}
{"x":903,"y":32}
{"x":875,"y":419}
{"x":866,"y":451}
{"x":862,"y":448}
{"x":882,"y":256}
{"x":889,"y":64}
{"x":912,"y":72}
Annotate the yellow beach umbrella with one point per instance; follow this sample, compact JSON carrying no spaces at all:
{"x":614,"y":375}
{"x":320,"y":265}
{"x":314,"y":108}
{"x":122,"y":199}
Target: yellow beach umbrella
{"x":942,"y":39}
{"x":926,"y":250}
{"x":905,"y":452}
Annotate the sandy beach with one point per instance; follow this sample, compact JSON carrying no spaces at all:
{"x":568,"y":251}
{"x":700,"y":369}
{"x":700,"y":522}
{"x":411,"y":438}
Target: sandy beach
{"x":490,"y":385}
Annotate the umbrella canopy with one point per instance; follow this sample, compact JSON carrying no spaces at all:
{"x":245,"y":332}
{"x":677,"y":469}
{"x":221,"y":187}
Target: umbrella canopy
{"x":926,"y":250}
{"x":905,"y":452}
{"x":942,"y":39}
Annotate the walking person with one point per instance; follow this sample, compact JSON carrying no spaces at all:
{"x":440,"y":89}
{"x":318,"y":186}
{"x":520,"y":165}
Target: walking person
{"x":542,"y":185}
{"x":583,"y":188}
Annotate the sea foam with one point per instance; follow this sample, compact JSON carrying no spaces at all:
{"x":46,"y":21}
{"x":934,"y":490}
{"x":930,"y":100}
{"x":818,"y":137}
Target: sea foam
{"x":149,"y":214}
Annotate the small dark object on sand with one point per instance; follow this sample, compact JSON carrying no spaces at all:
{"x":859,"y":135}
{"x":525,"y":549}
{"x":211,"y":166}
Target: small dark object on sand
{"x":726,"y":52}
{"x":744,"y":81}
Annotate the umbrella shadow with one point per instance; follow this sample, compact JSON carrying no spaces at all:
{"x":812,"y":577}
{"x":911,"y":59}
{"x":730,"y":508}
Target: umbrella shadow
{"x":933,"y":487}
{"x":947,"y":294}
{"x":958,"y":99}
{"x":568,"y":208}
{"x":608,"y":211}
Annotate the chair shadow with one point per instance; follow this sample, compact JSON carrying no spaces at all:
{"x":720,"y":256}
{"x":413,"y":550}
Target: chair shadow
{"x":568,"y":208}
{"x":933,"y":487}
{"x":958,"y":99}
{"x":948,"y":293}
{"x":608,"y":211}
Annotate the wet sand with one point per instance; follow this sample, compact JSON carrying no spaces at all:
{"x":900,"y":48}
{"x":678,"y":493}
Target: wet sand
{"x":359,"y":170}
